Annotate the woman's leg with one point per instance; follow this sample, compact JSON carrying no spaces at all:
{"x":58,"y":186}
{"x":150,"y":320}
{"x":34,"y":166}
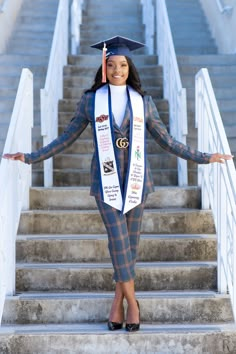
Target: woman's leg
{"x":123,"y":239}
{"x":129,"y":293}
{"x":118,"y":242}
{"x":117,"y":308}
{"x":134,"y":221}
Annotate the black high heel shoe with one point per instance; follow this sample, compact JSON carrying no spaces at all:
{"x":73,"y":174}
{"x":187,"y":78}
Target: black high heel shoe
{"x":114,"y":326}
{"x":133,"y":327}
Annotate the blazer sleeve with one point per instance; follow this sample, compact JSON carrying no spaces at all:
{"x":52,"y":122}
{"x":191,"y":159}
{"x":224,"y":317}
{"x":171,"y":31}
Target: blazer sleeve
{"x":159,"y":132}
{"x":76,"y":126}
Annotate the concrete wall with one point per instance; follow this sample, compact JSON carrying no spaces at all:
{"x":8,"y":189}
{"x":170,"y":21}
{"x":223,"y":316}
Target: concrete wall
{"x":9,"y":10}
{"x":223,"y":26}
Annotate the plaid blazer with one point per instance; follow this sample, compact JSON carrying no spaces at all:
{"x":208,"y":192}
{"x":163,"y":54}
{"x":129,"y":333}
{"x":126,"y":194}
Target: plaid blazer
{"x":84,"y":115}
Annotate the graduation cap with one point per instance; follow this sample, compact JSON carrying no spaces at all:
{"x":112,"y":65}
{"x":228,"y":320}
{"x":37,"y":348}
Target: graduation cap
{"x":115,"y":46}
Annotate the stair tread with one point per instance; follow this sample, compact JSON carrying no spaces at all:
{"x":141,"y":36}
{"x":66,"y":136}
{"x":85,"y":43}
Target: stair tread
{"x":107,"y":265}
{"x":101,"y":328}
{"x":69,"y":211}
{"x":84,"y":237}
{"x":108,"y":295}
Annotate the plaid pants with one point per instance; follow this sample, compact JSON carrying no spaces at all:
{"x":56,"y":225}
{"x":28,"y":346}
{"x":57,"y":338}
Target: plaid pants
{"x":123,"y":238}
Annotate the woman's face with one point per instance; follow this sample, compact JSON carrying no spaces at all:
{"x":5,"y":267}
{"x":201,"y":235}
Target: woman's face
{"x":117,"y":70}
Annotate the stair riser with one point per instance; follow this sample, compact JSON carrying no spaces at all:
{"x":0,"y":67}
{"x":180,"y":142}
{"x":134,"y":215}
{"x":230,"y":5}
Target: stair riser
{"x":85,"y":48}
{"x":224,"y":105}
{"x":144,"y":71}
{"x":226,"y":93}
{"x":36,"y":18}
{"x":219,"y":81}
{"x":82,"y":178}
{"x":9,"y":59}
{"x":41,"y":198}
{"x":160,"y":343}
{"x":158,"y":310}
{"x":86,"y":82}
{"x":69,"y":105}
{"x":76,"y":93}
{"x":153,"y":250}
{"x":73,"y":222}
{"x":95,"y":279}
{"x":94,"y":36}
{"x":38,"y":43}
{"x":162,"y":161}
{"x":208,"y":60}
{"x":95,"y":60}
{"x":16,"y":70}
{"x":213,"y":70}
{"x":160,"y":178}
{"x":197,"y":50}
{"x":112,"y":20}
{"x":194,"y":43}
{"x":37,"y":50}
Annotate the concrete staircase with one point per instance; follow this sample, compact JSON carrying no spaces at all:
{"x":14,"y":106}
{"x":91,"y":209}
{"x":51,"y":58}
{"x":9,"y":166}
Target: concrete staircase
{"x":29,"y":46}
{"x":196,"y":49}
{"x":64,"y":279}
{"x":64,"y":275}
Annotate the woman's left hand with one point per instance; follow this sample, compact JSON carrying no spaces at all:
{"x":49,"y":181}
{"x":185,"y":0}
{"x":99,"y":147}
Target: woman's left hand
{"x":220,"y":158}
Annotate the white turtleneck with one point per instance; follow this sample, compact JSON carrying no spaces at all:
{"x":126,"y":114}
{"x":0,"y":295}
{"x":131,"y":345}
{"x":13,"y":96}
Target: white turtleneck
{"x":118,"y":102}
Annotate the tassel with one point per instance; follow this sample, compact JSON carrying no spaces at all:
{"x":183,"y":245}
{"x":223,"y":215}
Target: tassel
{"x":104,"y":71}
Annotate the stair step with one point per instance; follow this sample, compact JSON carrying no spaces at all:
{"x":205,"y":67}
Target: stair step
{"x":29,"y":50}
{"x":23,"y":59}
{"x":78,"y":177}
{"x":93,"y":248}
{"x":154,"y":221}
{"x":38,"y":43}
{"x":159,"y":307}
{"x":219,"y":81}
{"x":151,"y":338}
{"x":79,"y":198}
{"x":213,"y":70}
{"x":98,"y":276}
{"x":219,"y":59}
{"x":86,"y":60}
{"x":83,"y":161}
{"x":145,"y":70}
{"x":203,"y":50}
{"x":86,"y":82}
{"x":82,"y":178}
{"x":69,"y":105}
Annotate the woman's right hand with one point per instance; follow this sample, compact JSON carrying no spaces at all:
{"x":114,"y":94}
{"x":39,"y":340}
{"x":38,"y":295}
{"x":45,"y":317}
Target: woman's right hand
{"x":19,"y":156}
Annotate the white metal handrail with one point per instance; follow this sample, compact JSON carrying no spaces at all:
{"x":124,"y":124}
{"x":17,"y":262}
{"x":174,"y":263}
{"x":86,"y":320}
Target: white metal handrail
{"x":149,"y":22}
{"x":15,"y":181}
{"x":173,"y":89}
{"x":53,"y":90}
{"x":224,"y":9}
{"x":76,"y":20}
{"x":217,"y":183}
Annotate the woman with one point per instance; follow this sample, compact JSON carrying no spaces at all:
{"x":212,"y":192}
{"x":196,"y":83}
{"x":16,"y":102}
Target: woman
{"x":119,"y":113}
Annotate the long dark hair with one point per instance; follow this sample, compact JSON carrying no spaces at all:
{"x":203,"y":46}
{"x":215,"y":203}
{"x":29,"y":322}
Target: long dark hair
{"x":133,"y":79}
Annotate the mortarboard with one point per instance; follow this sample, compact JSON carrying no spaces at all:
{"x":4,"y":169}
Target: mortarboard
{"x":116,"y":46}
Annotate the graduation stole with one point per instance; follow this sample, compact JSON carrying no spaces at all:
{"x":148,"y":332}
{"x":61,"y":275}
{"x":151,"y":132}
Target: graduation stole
{"x":106,"y":146}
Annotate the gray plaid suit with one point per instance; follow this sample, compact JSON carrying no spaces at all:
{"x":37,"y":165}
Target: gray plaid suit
{"x":123,"y":230}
